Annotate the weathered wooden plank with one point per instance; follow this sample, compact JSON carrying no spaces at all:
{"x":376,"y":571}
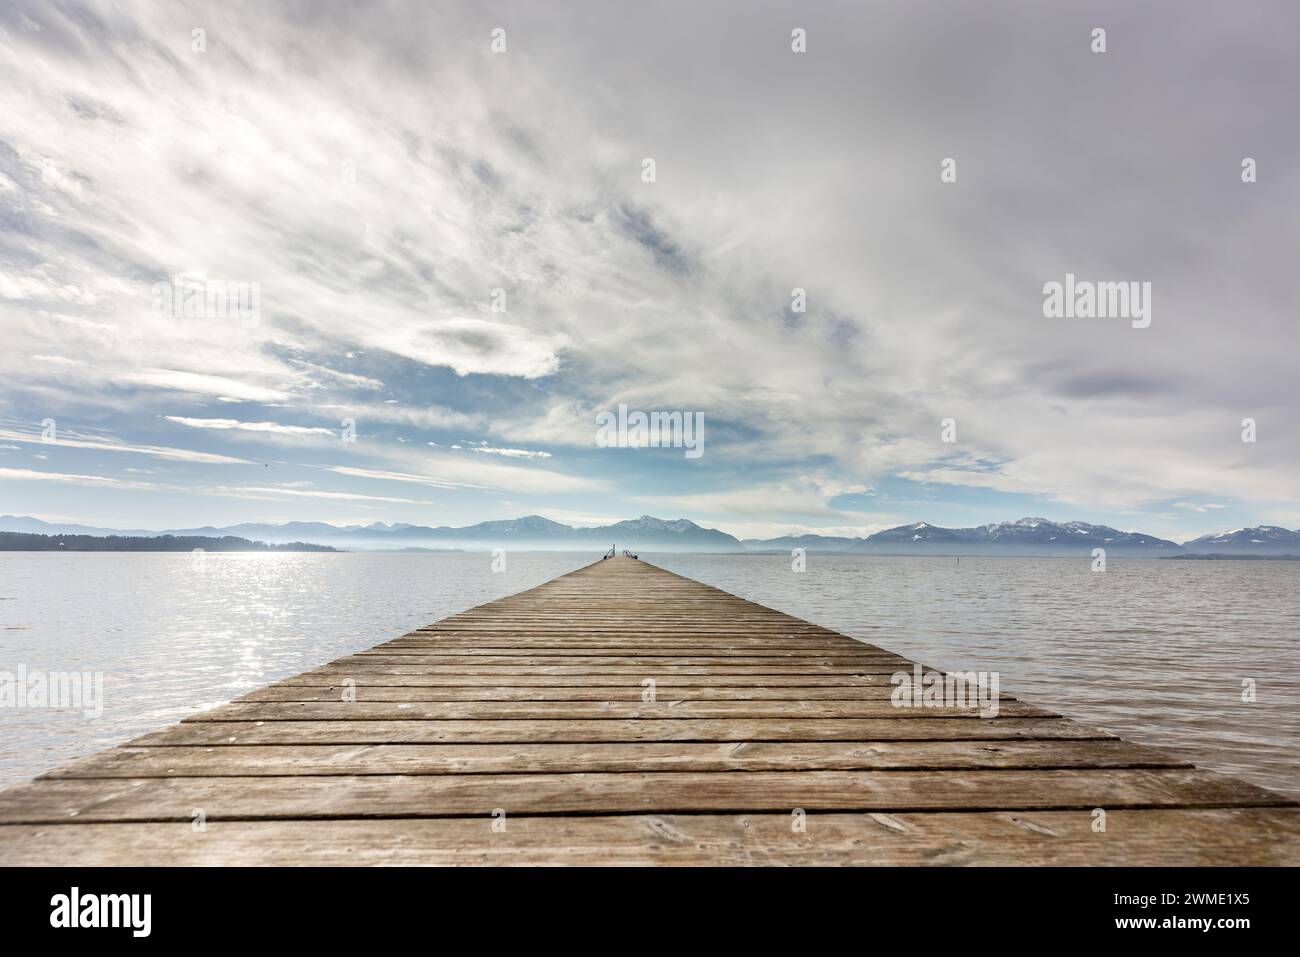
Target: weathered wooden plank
{"x":52,"y":800}
{"x":577,"y":731}
{"x":248,"y":761}
{"x":518,"y":646}
{"x":1017,"y":837}
{"x":638,"y":661}
{"x":384,"y":680}
{"x":723,"y":618}
{"x":645,"y":670}
{"x":575,"y":635}
{"x":585,"y":654}
{"x":662,"y":709}
{"x":665,"y":694}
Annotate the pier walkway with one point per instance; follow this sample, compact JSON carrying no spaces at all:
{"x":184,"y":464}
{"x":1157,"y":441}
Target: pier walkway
{"x":623,"y":714}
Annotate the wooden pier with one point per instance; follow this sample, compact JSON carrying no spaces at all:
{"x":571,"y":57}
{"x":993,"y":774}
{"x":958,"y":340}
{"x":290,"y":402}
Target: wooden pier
{"x":622,"y":714}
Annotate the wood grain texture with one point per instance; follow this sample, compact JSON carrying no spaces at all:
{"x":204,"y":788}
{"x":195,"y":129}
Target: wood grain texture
{"x":665,"y":709}
{"x":335,"y":759}
{"x":456,"y":795}
{"x":621,"y":714}
{"x":495,"y":692}
{"x":218,"y":733}
{"x":1017,"y":837}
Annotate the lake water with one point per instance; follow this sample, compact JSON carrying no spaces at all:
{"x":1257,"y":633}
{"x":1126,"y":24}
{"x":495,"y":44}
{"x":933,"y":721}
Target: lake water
{"x":1156,"y":651}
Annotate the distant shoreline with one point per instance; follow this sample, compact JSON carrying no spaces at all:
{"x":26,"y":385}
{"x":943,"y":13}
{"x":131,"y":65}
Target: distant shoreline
{"x":1231,"y":558}
{"x":30,"y":542}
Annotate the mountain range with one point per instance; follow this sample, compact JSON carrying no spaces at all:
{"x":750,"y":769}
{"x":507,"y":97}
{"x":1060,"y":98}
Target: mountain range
{"x":1260,"y":540}
{"x":1023,"y":537}
{"x":532,"y":531}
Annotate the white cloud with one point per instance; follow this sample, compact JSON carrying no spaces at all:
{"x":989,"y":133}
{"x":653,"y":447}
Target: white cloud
{"x":337,"y":378}
{"x":262,"y":490}
{"x":198,"y":382}
{"x":469,"y":345}
{"x":809,"y":497}
{"x":508,"y":453}
{"x":98,"y":481}
{"x":70,"y":440}
{"x":424,"y":417}
{"x":449,"y":471}
{"x":387,"y":476}
{"x":234,"y":424}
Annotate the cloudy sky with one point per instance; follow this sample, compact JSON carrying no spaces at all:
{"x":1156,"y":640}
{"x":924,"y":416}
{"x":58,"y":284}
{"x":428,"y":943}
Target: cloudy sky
{"x":379,"y":171}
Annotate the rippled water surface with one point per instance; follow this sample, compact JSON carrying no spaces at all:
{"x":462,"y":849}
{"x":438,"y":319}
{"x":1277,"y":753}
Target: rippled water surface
{"x":1154,"y":650}
{"x":173,"y":638}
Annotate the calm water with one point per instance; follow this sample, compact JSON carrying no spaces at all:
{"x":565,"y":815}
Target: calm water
{"x":1153,"y":650}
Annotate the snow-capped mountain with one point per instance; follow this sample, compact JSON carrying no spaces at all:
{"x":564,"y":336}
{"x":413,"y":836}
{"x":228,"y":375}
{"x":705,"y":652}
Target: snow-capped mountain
{"x":1260,"y":540}
{"x":918,"y":534}
{"x":1025,"y":536}
{"x":1074,"y":535}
